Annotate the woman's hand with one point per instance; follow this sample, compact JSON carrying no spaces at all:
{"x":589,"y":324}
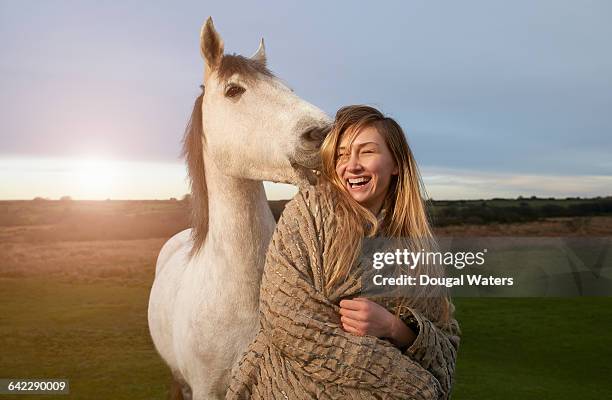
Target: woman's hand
{"x":362,"y":316}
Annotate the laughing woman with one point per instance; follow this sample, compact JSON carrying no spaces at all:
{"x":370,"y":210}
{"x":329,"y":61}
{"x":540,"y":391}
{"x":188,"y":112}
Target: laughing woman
{"x":320,"y":337}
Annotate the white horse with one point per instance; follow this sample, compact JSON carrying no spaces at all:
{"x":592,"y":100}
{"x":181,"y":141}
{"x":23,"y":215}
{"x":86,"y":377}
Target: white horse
{"x":246,"y":127}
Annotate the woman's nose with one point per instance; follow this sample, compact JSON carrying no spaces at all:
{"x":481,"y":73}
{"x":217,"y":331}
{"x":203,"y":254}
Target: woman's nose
{"x":353,"y":163}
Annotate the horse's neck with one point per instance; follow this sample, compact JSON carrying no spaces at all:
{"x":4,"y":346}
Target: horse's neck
{"x":240,"y":220}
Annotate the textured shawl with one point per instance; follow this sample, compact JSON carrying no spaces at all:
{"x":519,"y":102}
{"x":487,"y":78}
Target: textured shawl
{"x":301,"y":350}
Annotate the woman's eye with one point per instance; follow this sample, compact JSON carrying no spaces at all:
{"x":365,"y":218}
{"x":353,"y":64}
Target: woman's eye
{"x":234,"y":90}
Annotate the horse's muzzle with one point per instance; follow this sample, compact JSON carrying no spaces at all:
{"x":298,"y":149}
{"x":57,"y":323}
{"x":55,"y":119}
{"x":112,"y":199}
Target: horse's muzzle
{"x":310,"y":140}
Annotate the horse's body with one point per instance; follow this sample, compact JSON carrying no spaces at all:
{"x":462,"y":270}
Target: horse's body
{"x":247,"y":127}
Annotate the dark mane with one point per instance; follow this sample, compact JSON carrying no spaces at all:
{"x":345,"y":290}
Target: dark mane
{"x":193,"y":151}
{"x":235,"y":64}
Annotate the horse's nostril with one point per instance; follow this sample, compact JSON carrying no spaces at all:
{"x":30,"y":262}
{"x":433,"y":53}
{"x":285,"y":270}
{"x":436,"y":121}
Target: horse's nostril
{"x":316,"y":135}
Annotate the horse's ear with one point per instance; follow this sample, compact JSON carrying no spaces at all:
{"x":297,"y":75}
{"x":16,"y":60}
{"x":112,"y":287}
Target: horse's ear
{"x":211,"y":46}
{"x":260,"y":54}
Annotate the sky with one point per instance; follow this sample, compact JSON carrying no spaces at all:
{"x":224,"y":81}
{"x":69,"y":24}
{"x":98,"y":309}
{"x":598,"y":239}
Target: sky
{"x":497,"y":98}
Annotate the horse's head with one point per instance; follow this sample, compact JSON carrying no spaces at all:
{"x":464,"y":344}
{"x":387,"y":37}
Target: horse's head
{"x":254,"y":126}
{"x":249,"y":124}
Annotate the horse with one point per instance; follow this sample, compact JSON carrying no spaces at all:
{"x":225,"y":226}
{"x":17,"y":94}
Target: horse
{"x":247,"y":126}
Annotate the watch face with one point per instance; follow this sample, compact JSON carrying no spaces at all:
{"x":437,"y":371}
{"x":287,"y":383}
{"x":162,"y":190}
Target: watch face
{"x":412,"y":323}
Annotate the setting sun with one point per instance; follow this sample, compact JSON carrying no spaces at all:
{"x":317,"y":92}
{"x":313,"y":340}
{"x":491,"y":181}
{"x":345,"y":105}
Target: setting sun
{"x":95,"y":177}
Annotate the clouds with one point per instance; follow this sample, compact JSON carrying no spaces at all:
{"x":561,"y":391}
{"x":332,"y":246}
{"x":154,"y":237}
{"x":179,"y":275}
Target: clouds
{"x":454,"y":184}
{"x":520,"y":88}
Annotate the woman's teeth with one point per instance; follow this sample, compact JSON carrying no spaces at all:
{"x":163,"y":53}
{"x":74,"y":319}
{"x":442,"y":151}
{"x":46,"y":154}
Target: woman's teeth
{"x":356,"y":182}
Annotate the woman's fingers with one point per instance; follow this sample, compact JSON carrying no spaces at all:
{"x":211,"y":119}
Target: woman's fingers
{"x":351,"y":326}
{"x":366,"y":317}
{"x":356,"y":315}
{"x":352,"y":330}
{"x":349,"y":321}
{"x":351,"y":304}
{"x":359,"y":308}
{"x":359,"y":325}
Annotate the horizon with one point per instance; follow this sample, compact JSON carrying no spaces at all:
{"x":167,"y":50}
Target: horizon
{"x":182,"y":198}
{"x":99,"y":179}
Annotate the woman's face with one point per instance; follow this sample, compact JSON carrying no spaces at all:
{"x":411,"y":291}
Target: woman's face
{"x":366,"y":167}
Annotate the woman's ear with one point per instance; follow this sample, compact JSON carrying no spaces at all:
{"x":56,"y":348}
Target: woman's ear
{"x":395,"y":170}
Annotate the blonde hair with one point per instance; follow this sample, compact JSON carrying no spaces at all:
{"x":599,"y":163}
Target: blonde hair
{"x":406,"y":214}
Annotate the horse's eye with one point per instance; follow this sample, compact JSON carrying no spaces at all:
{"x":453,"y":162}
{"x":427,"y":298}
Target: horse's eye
{"x":234,"y":90}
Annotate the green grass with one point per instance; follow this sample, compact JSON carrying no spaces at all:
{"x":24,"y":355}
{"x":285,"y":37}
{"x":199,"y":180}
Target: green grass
{"x":96,"y":335}
{"x":534,"y":348}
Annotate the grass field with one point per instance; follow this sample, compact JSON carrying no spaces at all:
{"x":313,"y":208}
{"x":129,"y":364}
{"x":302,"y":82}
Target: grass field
{"x":75,"y":307}
{"x":534,"y":348}
{"x":95,"y":334}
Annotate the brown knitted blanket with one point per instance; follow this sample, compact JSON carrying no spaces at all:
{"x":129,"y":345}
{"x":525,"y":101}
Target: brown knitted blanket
{"x":301,"y":350}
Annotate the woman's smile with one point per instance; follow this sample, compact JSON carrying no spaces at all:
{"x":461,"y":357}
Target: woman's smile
{"x":359,"y":183}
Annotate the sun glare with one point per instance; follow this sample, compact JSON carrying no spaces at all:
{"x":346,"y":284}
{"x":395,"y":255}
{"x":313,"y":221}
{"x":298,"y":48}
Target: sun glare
{"x":95,"y":177}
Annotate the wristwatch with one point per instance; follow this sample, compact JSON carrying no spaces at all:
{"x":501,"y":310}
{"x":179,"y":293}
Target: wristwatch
{"x":411,"y":322}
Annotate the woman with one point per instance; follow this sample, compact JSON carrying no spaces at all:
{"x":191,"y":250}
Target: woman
{"x":319,"y":337}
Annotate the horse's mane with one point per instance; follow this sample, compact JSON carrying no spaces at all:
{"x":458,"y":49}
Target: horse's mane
{"x":247,"y":68}
{"x":193,"y":151}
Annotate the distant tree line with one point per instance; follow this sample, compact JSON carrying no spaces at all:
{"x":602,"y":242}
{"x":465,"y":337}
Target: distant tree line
{"x":444,"y":213}
{"x":478,"y":212}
